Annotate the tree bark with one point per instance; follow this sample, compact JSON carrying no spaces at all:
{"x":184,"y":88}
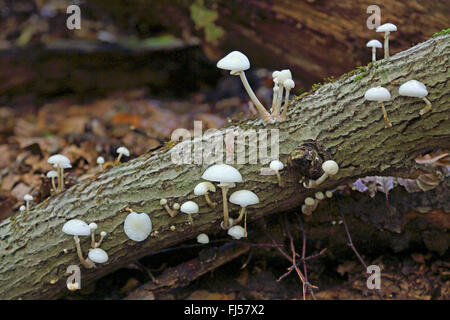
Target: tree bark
{"x":334,"y":121}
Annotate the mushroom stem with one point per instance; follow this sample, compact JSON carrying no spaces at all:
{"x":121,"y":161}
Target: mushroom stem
{"x":98,"y":244}
{"x":241,"y":215}
{"x":265,"y":116}
{"x":191,"y":221}
{"x":53,"y":184}
{"x":118,"y":159}
{"x":387,"y":123}
{"x":315,"y":183}
{"x":275,"y":97}
{"x":171,"y":212}
{"x":100,"y":166}
{"x":225,"y":207}
{"x":93,"y":238}
{"x":210,"y":203}
{"x":245,"y":225}
{"x":386,"y":44}
{"x":87,"y":263}
{"x":427,"y":108}
{"x":277,"y":108}
{"x":58,"y":170}
{"x":286,"y":102}
{"x":374,"y":54}
{"x":279,"y":178}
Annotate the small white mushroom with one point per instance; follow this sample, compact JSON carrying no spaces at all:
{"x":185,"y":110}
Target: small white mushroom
{"x":374,"y":44}
{"x":329,"y":194}
{"x":60,"y":162}
{"x":243,"y":198}
{"x":189,"y":207}
{"x":203,"y":238}
{"x":172,"y":213}
{"x":319,"y":195}
{"x":28,"y":198}
{"x":102,"y":236}
{"x":387,"y":28}
{"x":281,"y":78}
{"x":121,"y":151}
{"x":330,"y":168}
{"x":98,"y":255}
{"x":380,"y":95}
{"x":288,"y":84}
{"x":76,"y":228}
{"x":93,"y":227}
{"x":137,"y":226}
{"x":202,"y":189}
{"x":236,"y":232}
{"x":236,"y":62}
{"x":226,"y":176}
{"x":100,"y":162}
{"x":22,"y":208}
{"x":52,"y":174}
{"x":277,"y":166}
{"x":309,"y":206}
{"x":416,"y":89}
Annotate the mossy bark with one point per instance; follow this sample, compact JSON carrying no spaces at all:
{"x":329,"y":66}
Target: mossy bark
{"x":335,"y":118}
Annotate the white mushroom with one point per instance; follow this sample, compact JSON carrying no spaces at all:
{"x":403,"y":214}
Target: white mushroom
{"x":52,"y":174}
{"x":236,"y":62}
{"x":22,"y":208}
{"x":243,"y":198}
{"x":281,"y":78}
{"x":122,"y":151}
{"x":380,"y":95}
{"x":288,"y":84}
{"x":236,"y":232}
{"x":202,"y":189}
{"x":309,"y":206}
{"x":329,"y":194}
{"x":100,"y":162}
{"x":172,"y":213}
{"x":416,"y":89}
{"x":374,"y":44}
{"x":102,"y":236}
{"x":387,"y":28}
{"x":330,"y":168}
{"x":98,"y":255}
{"x":137,"y":226}
{"x":203,"y":238}
{"x":60,"y":162}
{"x":226,"y":176}
{"x":189,"y":207}
{"x":277,"y":166}
{"x":28,"y":198}
{"x":78,"y":228}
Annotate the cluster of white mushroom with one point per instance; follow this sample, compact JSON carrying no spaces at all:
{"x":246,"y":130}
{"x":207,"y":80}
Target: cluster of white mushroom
{"x":329,"y":167}
{"x":77,"y":228}
{"x":387,"y":28}
{"x":411,"y":88}
{"x":60,"y":162}
{"x":236,"y":62}
{"x":311,"y":203}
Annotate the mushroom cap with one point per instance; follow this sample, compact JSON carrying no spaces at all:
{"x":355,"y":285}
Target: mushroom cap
{"x":310,"y":201}
{"x":244,"y":198}
{"x":28,"y":197}
{"x":284,"y":75}
{"x":236,"y":232}
{"x":289,"y":84}
{"x":22,"y":208}
{"x":377,"y":94}
{"x":203,"y":238}
{"x":52,"y":174}
{"x":98,"y":255}
{"x":387,"y":27}
{"x":276,"y":165}
{"x":374,"y":44}
{"x":330,"y":167}
{"x":59,"y":160}
{"x":76,"y":227}
{"x":123,"y":151}
{"x":203,"y":188}
{"x":100,"y":160}
{"x":329,"y":194}
{"x":93,"y":226}
{"x":319,"y":195}
{"x":176,"y":206}
{"x":275,"y":74}
{"x":222,"y":173}
{"x":137,"y":226}
{"x":189,"y":207}
{"x":413,"y":88}
{"x":234,"y":61}
{"x":103,"y":234}
{"x":163,"y":202}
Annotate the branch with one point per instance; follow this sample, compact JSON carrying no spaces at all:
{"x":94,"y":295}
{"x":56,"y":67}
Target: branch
{"x":333,"y":121}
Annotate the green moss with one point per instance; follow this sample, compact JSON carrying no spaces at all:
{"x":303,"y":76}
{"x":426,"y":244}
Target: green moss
{"x":441,"y":33}
{"x":360,"y":76}
{"x":204,"y":18}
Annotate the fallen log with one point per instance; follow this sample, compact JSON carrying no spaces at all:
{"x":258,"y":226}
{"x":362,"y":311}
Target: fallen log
{"x":333,"y":122}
